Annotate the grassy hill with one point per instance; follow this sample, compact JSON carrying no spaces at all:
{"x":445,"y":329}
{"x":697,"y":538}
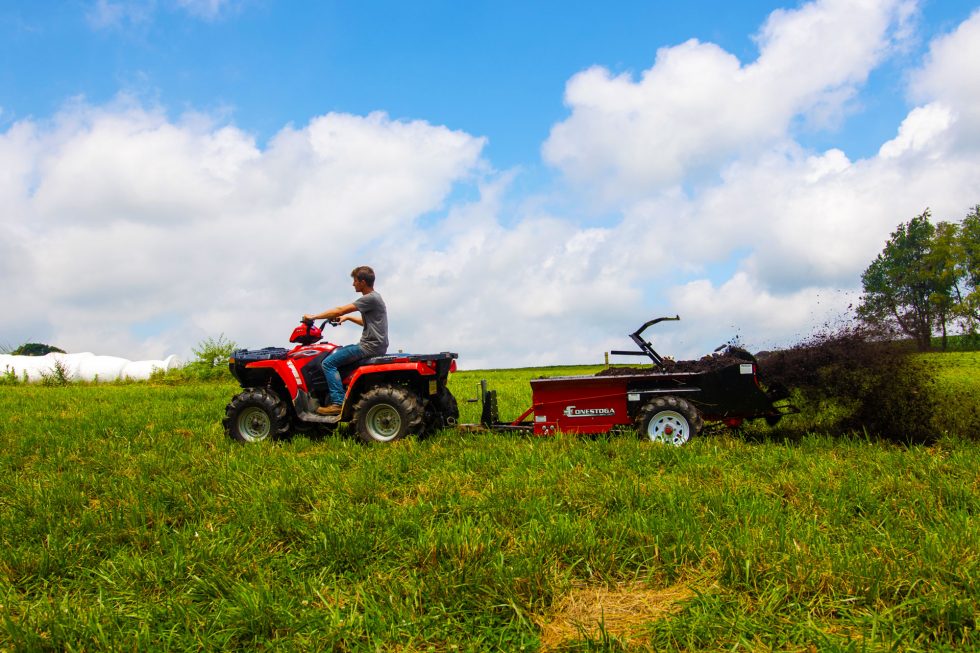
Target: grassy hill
{"x":129,"y":521}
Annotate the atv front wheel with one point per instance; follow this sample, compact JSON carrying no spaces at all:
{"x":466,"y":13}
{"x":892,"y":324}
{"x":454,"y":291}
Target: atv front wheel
{"x":670,"y":420}
{"x":387,"y":413}
{"x":256,"y":414}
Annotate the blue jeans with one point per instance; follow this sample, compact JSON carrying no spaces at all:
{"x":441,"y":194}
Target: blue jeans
{"x":338,"y":358}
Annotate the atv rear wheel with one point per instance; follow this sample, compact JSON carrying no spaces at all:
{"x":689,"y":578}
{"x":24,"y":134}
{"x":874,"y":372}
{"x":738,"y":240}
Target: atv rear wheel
{"x":670,"y":420}
{"x":255,"y":415}
{"x":387,"y":413}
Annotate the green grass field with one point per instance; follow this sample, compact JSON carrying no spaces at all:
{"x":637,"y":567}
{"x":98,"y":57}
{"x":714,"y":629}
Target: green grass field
{"x":128,"y":521}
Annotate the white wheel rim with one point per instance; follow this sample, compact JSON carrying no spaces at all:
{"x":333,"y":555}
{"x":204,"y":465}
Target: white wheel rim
{"x":254,"y":424}
{"x":383,"y":422}
{"x":669,"y":427}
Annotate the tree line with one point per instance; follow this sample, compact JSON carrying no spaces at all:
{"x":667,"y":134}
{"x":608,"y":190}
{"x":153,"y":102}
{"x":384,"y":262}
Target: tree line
{"x":925,"y":281}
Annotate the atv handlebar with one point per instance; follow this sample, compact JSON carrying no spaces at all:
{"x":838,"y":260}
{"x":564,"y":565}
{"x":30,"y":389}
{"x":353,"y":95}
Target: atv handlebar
{"x":334,"y":322}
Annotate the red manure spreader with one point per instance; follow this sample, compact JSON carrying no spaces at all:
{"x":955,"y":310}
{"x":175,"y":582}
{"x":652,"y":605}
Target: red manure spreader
{"x":663,"y":405}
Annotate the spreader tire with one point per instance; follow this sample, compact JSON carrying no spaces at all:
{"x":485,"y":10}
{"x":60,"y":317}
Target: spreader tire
{"x":255,"y":415}
{"x":387,"y":413}
{"x":670,"y":420}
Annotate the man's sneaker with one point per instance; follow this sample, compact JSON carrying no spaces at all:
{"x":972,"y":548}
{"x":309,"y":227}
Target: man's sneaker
{"x":332,"y":409}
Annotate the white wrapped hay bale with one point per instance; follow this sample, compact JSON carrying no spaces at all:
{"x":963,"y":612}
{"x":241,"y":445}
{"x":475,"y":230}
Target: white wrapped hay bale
{"x":144,"y":369}
{"x":84,"y":367}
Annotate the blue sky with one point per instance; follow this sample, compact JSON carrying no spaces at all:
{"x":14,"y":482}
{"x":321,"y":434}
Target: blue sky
{"x":689,"y":180}
{"x":494,"y":69}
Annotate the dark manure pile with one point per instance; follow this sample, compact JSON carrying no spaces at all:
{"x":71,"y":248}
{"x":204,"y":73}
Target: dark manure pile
{"x":730,"y":355}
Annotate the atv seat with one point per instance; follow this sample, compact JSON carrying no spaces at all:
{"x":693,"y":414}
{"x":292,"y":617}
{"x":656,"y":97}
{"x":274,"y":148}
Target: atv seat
{"x":385,"y":359}
{"x":313,"y":371}
{"x":348,"y":369}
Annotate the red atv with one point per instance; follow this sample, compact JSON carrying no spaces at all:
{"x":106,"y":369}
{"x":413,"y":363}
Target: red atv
{"x":387,"y":397}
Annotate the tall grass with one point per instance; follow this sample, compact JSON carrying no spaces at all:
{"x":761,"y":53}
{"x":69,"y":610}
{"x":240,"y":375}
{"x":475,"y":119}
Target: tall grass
{"x":128,"y":521}
{"x":956,"y":391}
{"x":960,"y":342}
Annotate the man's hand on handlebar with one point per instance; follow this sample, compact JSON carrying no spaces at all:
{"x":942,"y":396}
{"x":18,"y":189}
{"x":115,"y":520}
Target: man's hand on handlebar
{"x":337,"y":321}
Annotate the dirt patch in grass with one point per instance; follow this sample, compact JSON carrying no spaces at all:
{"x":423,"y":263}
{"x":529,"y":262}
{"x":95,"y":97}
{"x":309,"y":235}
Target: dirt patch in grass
{"x":620,"y":611}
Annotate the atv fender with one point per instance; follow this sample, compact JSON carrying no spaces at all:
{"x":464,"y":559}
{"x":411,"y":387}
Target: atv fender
{"x":285,"y":370}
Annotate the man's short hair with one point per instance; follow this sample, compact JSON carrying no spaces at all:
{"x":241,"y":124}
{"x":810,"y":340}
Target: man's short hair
{"x":363,"y":273}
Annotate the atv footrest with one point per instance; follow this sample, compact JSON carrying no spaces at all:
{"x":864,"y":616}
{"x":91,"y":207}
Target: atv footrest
{"x":320,"y":419}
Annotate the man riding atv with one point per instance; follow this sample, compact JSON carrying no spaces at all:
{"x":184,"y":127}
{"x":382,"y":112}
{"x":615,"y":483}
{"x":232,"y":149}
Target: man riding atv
{"x":374,"y":337}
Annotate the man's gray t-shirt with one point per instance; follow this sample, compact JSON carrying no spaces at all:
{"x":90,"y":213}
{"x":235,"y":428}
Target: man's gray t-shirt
{"x":374,"y":339}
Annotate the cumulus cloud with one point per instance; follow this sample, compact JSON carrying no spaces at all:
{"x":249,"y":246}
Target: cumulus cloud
{"x":950,"y":80}
{"x":919,"y":131}
{"x":131,"y":233}
{"x":540,"y":291}
{"x":771,"y":227}
{"x":753,"y":314}
{"x":122,"y":218}
{"x":699,"y":107}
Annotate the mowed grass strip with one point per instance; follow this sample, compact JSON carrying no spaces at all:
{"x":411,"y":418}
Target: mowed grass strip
{"x":128,"y":521}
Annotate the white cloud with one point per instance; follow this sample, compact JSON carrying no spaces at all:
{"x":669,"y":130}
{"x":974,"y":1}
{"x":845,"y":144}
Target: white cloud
{"x":781,"y":226}
{"x":126,"y":232}
{"x":121,"y":217}
{"x":758,"y":317}
{"x":950,"y":78}
{"x":699,"y":107}
{"x":126,"y":163}
{"x":539,"y":292}
{"x":919,"y":131}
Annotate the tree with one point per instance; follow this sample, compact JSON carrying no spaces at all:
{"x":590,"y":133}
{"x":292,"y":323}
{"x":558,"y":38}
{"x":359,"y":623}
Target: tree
{"x":969,"y":262}
{"x":942,"y":263}
{"x":214,"y":352}
{"x":36,"y":349}
{"x":212,"y":358}
{"x":909,"y":283}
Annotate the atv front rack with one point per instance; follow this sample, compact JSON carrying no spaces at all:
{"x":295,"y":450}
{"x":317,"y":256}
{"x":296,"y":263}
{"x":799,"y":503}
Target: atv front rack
{"x":253,"y":355}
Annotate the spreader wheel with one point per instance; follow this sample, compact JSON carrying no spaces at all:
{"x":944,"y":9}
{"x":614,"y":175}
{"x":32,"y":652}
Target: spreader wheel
{"x":387,"y":413}
{"x":256,"y":414}
{"x":670,"y":420}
